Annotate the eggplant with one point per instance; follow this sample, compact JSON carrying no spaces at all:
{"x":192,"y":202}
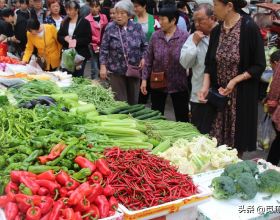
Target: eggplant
{"x":64,"y":109}
{"x":46,"y":100}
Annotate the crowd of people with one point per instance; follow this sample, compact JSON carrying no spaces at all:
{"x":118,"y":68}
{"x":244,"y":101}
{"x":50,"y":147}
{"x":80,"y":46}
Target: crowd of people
{"x":209,"y":59}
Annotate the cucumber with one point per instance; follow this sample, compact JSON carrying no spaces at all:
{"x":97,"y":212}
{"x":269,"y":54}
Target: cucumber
{"x":147,"y":116}
{"x":157,"y":117}
{"x":119,"y":109}
{"x":141,"y":112}
{"x":133,"y":108}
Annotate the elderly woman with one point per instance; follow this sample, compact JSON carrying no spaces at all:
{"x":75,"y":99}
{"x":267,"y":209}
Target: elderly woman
{"x":234,"y":63}
{"x":44,"y":38}
{"x":123,"y":46}
{"x":163,"y":59}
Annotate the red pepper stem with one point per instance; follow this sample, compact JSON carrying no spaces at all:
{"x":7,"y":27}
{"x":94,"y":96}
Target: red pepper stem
{"x":56,"y":194}
{"x":86,"y":215}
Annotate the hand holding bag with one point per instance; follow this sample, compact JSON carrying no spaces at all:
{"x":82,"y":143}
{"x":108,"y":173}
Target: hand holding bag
{"x":132,"y":71}
{"x":216,"y":99}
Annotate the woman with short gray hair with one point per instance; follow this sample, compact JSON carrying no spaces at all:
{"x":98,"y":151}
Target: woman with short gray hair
{"x":122,"y":53}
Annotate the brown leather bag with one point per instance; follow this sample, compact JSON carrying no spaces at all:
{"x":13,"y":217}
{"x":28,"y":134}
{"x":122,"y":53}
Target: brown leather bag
{"x":158,"y":80}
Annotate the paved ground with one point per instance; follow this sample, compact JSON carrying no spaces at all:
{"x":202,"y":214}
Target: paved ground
{"x":169,"y":113}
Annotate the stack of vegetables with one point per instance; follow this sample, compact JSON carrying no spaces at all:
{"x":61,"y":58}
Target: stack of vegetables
{"x":243,"y":180}
{"x":198,"y":155}
{"x":142,"y":180}
{"x":54,"y":196}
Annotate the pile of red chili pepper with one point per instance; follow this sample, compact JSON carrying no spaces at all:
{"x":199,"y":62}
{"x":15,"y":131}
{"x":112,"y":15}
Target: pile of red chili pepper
{"x":143,"y":180}
{"x":50,"y":196}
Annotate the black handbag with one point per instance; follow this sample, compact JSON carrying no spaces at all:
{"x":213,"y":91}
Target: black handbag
{"x":41,"y":61}
{"x":217,"y":100}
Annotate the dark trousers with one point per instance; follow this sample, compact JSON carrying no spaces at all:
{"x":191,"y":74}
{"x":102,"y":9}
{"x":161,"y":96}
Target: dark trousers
{"x":180,"y":103}
{"x":202,"y":116}
{"x":79,"y":72}
{"x":274,"y":152}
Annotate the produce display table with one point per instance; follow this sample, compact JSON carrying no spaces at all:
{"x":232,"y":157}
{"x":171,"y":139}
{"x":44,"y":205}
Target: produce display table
{"x":258,"y":208}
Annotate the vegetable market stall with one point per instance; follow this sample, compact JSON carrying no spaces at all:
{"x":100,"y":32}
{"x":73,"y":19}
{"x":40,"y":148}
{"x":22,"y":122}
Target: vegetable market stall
{"x":48,"y":132}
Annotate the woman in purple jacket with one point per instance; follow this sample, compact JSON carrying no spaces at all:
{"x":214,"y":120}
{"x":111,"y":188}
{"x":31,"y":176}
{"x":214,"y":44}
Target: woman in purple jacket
{"x":163,"y":55}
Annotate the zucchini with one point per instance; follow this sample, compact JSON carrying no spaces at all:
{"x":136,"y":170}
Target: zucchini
{"x":147,"y":116}
{"x":133,"y":108}
{"x":141,"y":112}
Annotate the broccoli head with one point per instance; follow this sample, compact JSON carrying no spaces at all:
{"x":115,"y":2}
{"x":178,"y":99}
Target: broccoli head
{"x":253,"y":166}
{"x":269,"y":181}
{"x":235,"y":170}
{"x":223,"y":187}
{"x":246,"y":186}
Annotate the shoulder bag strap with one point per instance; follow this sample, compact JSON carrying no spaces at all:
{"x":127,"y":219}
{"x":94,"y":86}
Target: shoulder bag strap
{"x":125,"y":55}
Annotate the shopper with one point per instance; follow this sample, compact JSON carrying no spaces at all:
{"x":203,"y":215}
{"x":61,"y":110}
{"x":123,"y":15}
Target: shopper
{"x":75,"y":32}
{"x":273,"y":103}
{"x":8,"y":30}
{"x":112,"y":14}
{"x":54,"y":18}
{"x":22,"y":15}
{"x":234,"y":63}
{"x":149,"y":25}
{"x":163,"y":56}
{"x":98,"y":23}
{"x":85,"y":9}
{"x":43,"y":37}
{"x":38,"y":11}
{"x":192,"y":56}
{"x":123,"y":43}
{"x":107,"y":5}
{"x":184,"y":13}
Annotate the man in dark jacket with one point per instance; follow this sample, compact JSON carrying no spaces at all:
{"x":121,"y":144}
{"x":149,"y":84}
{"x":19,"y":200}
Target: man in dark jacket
{"x":38,"y":12}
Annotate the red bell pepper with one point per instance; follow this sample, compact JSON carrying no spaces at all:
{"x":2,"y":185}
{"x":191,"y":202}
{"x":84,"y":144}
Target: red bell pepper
{"x":62,"y":178}
{"x":11,"y":210}
{"x":55,"y":213}
{"x":72,"y":185}
{"x":111,"y":213}
{"x":113,"y":203}
{"x":103,"y":167}
{"x":4,"y":201}
{"x":108,"y":190}
{"x":83,"y":205}
{"x":96,"y":191}
{"x":103,"y":206}
{"x":33,"y":213}
{"x":30,"y":183}
{"x":78,"y":216}
{"x":11,"y":189}
{"x":48,"y":175}
{"x":51,"y":186}
{"x":46,"y":204}
{"x":43,"y":191}
{"x":23,"y":201}
{"x":55,"y":152}
{"x":36,"y":200}
{"x":18,"y":217}
{"x":93,"y":213}
{"x":46,"y":216}
{"x":96,"y":177}
{"x":82,"y":191}
{"x":63,"y":192}
{"x":16,"y":174}
{"x":85,"y":163}
{"x":68,"y":214}
{"x":64,"y":200}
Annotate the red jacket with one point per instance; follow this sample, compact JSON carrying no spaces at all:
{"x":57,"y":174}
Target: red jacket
{"x":97,"y":29}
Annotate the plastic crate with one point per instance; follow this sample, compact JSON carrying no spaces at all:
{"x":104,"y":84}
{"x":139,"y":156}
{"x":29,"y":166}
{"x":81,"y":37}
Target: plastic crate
{"x":174,"y":208}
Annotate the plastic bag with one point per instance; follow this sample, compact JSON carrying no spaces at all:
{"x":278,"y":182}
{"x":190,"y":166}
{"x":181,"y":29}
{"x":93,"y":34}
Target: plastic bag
{"x":68,"y":59}
{"x":266,"y":132}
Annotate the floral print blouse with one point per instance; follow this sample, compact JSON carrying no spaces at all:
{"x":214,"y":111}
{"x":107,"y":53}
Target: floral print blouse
{"x":111,"y":50}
